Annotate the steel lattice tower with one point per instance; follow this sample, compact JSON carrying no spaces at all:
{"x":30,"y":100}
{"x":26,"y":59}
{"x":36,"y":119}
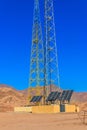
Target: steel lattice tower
{"x":51,"y":58}
{"x":37,"y":51}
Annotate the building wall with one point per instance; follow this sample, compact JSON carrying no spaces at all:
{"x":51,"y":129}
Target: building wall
{"x":23,"y":109}
{"x":46,"y":109}
{"x":71,"y":108}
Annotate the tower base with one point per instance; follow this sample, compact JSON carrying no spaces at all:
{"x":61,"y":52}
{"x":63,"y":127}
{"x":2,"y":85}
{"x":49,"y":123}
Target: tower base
{"x":67,"y":108}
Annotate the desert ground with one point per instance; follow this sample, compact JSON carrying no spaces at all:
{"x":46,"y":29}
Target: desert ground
{"x":10,"y":98}
{"x":29,"y":121}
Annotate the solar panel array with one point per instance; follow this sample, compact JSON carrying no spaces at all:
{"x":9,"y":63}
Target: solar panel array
{"x":64,"y":96}
{"x":69,"y":95}
{"x":36,"y":99}
{"x":53,"y":96}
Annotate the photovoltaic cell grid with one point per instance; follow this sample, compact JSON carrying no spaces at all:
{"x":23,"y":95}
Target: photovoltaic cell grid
{"x":64,"y":96}
{"x":53,"y":96}
{"x":69,"y":95}
{"x":36,"y":99}
{"x":57,"y":94}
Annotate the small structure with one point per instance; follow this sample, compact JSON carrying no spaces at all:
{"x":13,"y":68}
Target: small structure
{"x":56,"y":102}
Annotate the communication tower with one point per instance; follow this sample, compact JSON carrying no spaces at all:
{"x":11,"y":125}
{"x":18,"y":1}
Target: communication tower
{"x":37,"y":52}
{"x":51,"y":58}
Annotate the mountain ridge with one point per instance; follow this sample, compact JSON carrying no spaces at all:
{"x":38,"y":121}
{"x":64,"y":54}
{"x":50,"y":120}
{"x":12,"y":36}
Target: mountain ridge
{"x":10,"y":98}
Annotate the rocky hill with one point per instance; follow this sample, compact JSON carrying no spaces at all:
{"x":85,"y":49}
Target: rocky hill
{"x":79,"y":97}
{"x":9,"y":98}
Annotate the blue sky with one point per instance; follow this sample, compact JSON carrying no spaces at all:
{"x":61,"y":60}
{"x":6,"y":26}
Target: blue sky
{"x":16,"y":18}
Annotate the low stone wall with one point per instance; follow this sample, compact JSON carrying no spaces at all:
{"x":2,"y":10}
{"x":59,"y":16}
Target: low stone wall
{"x":23,"y":109}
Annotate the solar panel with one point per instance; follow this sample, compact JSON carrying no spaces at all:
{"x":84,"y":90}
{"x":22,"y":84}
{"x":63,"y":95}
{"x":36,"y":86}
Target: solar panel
{"x":49,"y":97}
{"x":53,"y":96}
{"x":62,"y":95}
{"x":36,"y":99}
{"x":58,"y":95}
{"x":69,"y":95}
{"x":33,"y":98}
{"x":66,"y":95}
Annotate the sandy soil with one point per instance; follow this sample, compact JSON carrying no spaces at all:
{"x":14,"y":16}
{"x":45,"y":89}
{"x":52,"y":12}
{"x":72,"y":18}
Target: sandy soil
{"x":27,"y":121}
